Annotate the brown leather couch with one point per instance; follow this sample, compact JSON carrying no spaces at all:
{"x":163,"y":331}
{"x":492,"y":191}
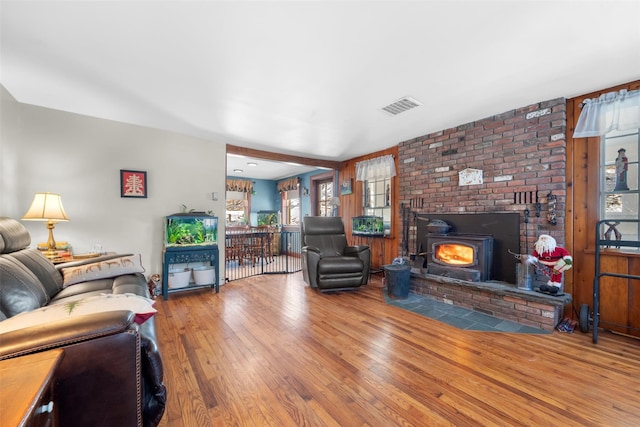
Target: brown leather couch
{"x":329,"y":263}
{"x":111,"y":373}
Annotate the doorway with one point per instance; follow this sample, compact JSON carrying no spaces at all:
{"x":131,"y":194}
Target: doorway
{"x":253,"y":247}
{"x":322,"y":193}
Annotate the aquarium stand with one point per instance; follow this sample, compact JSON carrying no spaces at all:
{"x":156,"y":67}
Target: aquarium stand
{"x":186,"y":255}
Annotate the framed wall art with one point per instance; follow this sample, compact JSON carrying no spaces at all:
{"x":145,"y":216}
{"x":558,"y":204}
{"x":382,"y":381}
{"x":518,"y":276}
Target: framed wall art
{"x":133,"y":183}
{"x":470,"y":177}
{"x":346,"y":187}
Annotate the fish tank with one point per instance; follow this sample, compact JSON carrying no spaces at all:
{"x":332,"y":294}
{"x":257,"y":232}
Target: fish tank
{"x":367,"y":225}
{"x":190,"y":229}
{"x":267,"y":218}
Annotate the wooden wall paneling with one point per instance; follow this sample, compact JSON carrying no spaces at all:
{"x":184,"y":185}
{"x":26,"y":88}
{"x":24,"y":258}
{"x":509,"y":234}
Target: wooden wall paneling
{"x":349,"y":202}
{"x":619,"y":303}
{"x":633,"y":295}
{"x":568,"y":217}
{"x":383,"y":250}
{"x":378,"y":249}
{"x":614,"y":301}
{"x":587,"y":214}
{"x":583,"y":274}
{"x":578,"y":204}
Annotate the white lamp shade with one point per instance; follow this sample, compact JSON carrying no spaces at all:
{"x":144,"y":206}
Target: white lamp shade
{"x":46,"y":207}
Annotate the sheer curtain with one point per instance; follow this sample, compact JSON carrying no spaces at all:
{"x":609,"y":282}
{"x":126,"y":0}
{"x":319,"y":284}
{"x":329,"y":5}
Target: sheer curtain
{"x":378,"y":168}
{"x":611,"y":111}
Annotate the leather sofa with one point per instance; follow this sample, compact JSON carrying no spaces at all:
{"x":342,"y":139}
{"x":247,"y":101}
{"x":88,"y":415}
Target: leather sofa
{"x":328,"y":262}
{"x":111,"y":373}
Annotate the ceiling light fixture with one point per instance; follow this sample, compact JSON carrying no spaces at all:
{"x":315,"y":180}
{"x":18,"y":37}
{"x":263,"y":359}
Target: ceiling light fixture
{"x":252,"y":164}
{"x":401,"y":105}
{"x":238,"y":170}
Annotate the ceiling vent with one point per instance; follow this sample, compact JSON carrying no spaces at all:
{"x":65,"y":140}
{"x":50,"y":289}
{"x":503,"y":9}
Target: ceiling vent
{"x":402,"y":105}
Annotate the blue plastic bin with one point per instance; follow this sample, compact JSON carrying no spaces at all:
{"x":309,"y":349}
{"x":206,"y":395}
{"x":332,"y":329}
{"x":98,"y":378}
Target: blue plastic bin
{"x":398,"y":278}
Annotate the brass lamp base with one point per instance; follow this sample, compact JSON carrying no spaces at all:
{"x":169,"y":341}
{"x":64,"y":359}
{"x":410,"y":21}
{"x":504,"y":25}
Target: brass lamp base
{"x":51,"y":255}
{"x":51,"y":242}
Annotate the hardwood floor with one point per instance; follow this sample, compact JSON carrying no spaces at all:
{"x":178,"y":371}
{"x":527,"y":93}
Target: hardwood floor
{"x":269,"y":351}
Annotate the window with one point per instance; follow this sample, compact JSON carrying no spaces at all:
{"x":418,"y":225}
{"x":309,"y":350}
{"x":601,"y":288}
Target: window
{"x":619,"y":196}
{"x":377,"y":199}
{"x":291,"y":207}
{"x":376,"y":175}
{"x":237,"y":211}
{"x":321,"y":193}
{"x":324,"y":194}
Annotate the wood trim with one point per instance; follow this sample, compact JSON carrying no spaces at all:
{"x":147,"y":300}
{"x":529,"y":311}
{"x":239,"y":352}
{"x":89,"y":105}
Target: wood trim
{"x":279,"y":157}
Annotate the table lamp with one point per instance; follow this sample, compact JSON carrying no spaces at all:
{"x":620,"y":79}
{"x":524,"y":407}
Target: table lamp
{"x":47,"y":207}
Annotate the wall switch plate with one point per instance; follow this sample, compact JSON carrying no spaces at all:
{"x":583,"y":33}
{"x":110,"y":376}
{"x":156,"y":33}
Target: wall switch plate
{"x":214,"y":195}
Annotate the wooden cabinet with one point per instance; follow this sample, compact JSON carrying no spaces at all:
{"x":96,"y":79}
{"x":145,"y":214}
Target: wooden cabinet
{"x":27,"y":395}
{"x":186,"y":255}
{"x":190,"y":237}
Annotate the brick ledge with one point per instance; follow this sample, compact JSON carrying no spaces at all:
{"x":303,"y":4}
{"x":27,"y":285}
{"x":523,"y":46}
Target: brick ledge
{"x":497,"y":299}
{"x":500,"y":288}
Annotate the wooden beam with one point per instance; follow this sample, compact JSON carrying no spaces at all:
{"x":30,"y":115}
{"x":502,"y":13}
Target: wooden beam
{"x":267,"y":155}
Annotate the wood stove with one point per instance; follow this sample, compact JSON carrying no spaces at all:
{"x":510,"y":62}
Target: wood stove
{"x":461,"y":256}
{"x":494,"y":260}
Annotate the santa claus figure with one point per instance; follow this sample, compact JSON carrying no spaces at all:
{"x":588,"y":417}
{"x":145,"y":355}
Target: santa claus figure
{"x":558,"y":260}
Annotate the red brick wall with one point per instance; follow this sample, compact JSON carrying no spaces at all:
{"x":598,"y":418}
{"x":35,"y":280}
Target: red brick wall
{"x":522,"y":150}
{"x":520,"y":307}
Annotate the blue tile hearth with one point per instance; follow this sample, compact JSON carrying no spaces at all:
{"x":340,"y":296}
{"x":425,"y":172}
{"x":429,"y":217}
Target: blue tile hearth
{"x":458,"y":317}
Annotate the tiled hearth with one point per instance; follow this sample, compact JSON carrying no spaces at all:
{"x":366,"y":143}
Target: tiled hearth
{"x":494,"y":298}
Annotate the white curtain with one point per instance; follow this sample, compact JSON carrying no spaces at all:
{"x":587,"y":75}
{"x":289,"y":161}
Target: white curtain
{"x":378,"y":168}
{"x":611,"y":111}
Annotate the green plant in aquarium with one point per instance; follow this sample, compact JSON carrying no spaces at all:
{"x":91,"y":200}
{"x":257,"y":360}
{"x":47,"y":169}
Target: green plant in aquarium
{"x":362,"y":227}
{"x":368,"y":225}
{"x":184,"y":233}
{"x":268,"y":218}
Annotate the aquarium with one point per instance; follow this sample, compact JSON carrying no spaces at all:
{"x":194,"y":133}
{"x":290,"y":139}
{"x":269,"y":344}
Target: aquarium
{"x":191,"y":229}
{"x":267,"y":218}
{"x":368,"y":225}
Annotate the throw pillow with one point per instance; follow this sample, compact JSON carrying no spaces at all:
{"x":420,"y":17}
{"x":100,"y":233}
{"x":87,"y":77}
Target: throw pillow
{"x":102,"y":269}
{"x":141,"y":306}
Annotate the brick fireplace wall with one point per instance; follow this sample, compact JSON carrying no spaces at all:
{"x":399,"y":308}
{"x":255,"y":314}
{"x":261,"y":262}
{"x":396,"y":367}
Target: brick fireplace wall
{"x":519,"y":151}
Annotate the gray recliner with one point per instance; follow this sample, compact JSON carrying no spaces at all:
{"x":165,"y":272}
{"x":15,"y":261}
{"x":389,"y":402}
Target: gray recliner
{"x":328,"y":262}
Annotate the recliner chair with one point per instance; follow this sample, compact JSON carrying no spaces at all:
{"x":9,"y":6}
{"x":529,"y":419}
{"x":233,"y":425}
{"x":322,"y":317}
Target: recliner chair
{"x":328,"y":262}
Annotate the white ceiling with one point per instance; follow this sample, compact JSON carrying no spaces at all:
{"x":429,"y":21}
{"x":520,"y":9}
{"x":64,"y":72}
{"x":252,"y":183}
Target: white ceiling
{"x":310,"y":78}
{"x":256,"y":168}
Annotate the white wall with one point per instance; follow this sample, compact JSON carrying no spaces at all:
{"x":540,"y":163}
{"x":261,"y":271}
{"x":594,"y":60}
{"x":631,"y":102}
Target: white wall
{"x":80,"y":157}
